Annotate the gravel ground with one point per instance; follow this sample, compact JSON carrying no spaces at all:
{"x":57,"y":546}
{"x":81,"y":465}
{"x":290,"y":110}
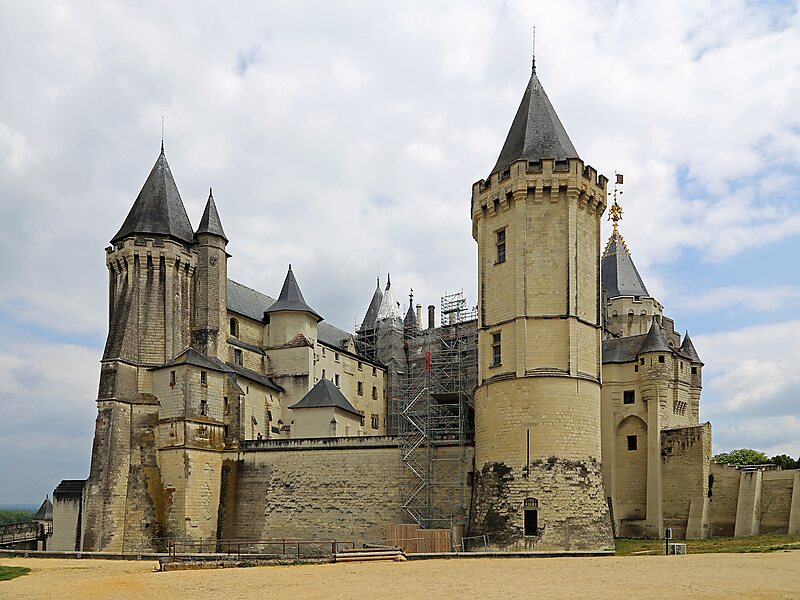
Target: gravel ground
{"x":698,"y":576}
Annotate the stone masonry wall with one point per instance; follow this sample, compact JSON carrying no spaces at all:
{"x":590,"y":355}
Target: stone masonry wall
{"x":685,"y":456}
{"x":325,"y":488}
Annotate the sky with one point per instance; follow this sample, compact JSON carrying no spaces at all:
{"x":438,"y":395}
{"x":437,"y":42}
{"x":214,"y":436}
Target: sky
{"x":344,"y":138}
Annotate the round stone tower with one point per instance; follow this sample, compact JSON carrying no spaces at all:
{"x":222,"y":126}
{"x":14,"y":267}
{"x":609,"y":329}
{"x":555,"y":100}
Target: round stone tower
{"x":536,"y":220}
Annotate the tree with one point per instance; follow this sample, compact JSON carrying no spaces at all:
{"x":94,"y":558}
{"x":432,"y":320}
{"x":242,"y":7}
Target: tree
{"x":743,"y":456}
{"x":784,"y":461}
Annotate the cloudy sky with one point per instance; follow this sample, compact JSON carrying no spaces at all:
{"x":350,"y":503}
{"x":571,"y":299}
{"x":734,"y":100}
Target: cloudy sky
{"x":344,"y":138}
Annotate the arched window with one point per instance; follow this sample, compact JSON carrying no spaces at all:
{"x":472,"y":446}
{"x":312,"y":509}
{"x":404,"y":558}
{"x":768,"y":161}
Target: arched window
{"x":234,"y":328}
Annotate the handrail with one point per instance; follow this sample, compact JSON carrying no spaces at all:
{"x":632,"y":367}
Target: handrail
{"x":289,"y":547}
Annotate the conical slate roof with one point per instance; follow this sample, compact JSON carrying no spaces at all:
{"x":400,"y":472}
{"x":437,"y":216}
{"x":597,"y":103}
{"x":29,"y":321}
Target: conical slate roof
{"x":536,"y":131}
{"x":325,"y":393}
{"x":45,"y":512}
{"x":388,"y":309}
{"x":374,"y":306}
{"x":211,"y":223}
{"x":158,"y":208}
{"x":655,"y":341}
{"x":291,"y":298}
{"x":687,"y":349}
{"x":619,"y":276}
{"x":410,"y":321}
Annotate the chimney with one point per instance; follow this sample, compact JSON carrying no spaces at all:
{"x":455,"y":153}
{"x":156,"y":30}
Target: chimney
{"x":419,"y":316}
{"x":431,"y":316}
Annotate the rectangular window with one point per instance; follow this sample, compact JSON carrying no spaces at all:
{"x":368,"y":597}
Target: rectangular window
{"x":360,"y":366}
{"x":531,"y":521}
{"x":225,"y":407}
{"x":237,"y":357}
{"x":203,"y":407}
{"x":336,"y":357}
{"x":323,"y":373}
{"x":360,"y":388}
{"x":694,"y":370}
{"x":628,"y":397}
{"x":632,"y":442}
{"x":323,"y":351}
{"x":376,"y":421}
{"x":501,"y":246}
{"x":336,"y":379}
{"x":172,"y":377}
{"x":661,"y":358}
{"x":496,"y":350}
{"x":641,"y":361}
{"x":203,"y":378}
{"x":374,"y":393}
{"x":374,"y":371}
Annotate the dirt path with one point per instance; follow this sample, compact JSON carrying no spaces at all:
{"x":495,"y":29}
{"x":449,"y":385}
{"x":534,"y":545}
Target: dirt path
{"x":697,"y":576}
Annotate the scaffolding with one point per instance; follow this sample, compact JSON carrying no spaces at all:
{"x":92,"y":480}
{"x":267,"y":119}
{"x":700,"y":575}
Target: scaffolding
{"x":434,"y":423}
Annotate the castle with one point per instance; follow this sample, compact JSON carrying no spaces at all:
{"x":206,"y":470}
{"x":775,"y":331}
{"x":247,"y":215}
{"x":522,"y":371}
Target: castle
{"x":562,"y":412}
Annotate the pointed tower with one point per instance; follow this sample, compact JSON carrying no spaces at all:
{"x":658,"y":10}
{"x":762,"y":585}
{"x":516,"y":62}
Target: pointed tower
{"x":365,"y":338}
{"x":410,"y":320}
{"x":151,"y":267}
{"x":210,"y":328}
{"x":627,"y":305}
{"x":290,"y":338}
{"x":389,"y":349}
{"x":696,"y":375}
{"x":536,"y":219}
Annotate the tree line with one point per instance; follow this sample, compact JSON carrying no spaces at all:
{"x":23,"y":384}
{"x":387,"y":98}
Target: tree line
{"x":748,"y":456}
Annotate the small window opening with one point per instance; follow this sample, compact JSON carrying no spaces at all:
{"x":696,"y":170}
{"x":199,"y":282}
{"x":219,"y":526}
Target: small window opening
{"x":496,"y":350}
{"x":203,"y":378}
{"x":336,"y":379}
{"x":375,"y":421}
{"x":641,"y":361}
{"x":172,"y":377}
{"x":323,"y":373}
{"x":628,"y":396}
{"x":203,"y":407}
{"x":238,"y":359}
{"x":360,"y":388}
{"x":694,"y":370}
{"x":360,"y":366}
{"x":336,"y":357}
{"x":632,"y":442}
{"x":501,"y":246}
{"x":374,"y":371}
{"x":225,"y":407}
{"x":374,"y":393}
{"x":234,"y":328}
{"x":661,"y":358}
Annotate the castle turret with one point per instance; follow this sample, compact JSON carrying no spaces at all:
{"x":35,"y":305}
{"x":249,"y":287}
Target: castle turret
{"x":536,"y":219}
{"x":210,"y":328}
{"x":365,"y":338}
{"x":290,"y":338}
{"x":628,"y":307}
{"x":389,"y":349}
{"x":151,"y":268}
{"x":696,"y":375}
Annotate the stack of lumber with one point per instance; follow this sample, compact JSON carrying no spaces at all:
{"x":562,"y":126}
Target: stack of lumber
{"x":370,"y":553}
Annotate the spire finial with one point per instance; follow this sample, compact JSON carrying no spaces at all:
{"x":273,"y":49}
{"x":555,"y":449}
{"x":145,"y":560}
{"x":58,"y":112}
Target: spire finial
{"x":162,"y":134}
{"x":411,"y":297}
{"x":388,"y":280}
{"x":210,"y":192}
{"x":615,"y":210}
{"x":533,"y":65}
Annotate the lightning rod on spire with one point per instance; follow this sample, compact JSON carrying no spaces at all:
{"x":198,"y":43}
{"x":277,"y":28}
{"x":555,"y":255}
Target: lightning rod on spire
{"x":533,"y":65}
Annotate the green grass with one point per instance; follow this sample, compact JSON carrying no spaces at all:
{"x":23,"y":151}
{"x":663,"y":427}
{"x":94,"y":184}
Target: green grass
{"x":758,"y":543}
{"x":7,"y":573}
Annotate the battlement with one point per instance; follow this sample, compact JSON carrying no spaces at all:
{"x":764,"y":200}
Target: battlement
{"x":546,"y":167}
{"x":117,"y":256}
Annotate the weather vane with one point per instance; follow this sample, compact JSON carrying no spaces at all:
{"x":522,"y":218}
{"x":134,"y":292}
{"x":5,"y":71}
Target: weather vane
{"x":615,"y":210}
